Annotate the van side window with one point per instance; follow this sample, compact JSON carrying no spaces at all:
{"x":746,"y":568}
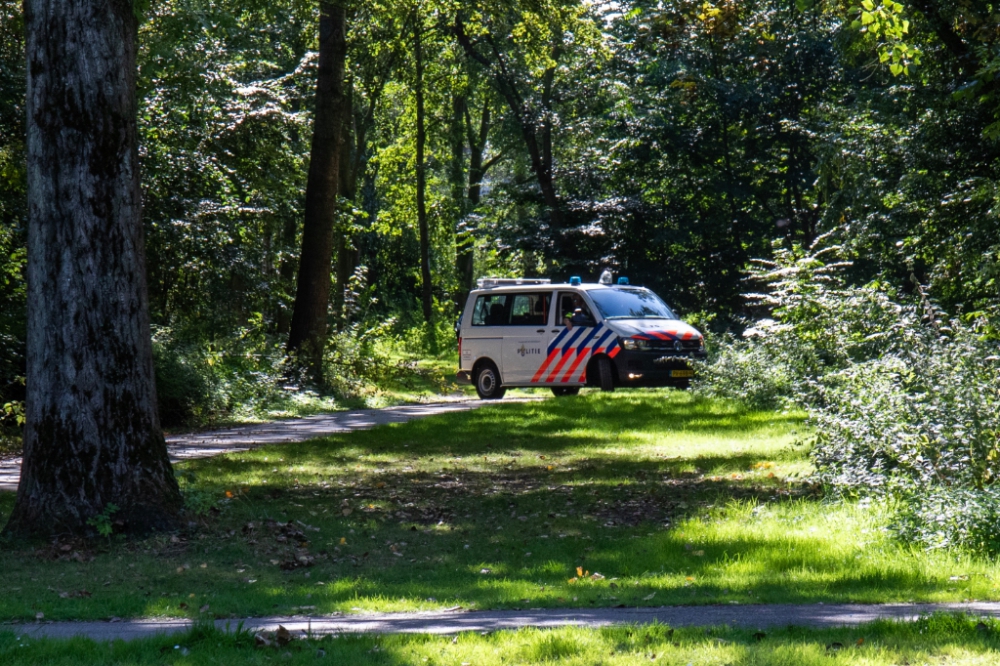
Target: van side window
{"x":530,"y":309}
{"x":490,"y":310}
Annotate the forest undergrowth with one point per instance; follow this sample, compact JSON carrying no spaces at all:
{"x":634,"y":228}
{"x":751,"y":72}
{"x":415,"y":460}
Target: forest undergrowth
{"x":903,"y":398}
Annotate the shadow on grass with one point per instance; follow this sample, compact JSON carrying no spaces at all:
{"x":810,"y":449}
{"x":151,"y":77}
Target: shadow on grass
{"x":496,"y":507}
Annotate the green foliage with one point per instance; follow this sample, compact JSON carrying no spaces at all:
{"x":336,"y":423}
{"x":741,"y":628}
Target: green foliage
{"x":884,"y":20}
{"x":815,"y":325}
{"x":757,"y":372}
{"x":102,"y":522}
{"x":198,"y":502}
{"x":904,"y":402}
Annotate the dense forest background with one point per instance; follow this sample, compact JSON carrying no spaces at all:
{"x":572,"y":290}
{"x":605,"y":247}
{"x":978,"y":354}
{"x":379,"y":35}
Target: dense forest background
{"x":671,"y":141}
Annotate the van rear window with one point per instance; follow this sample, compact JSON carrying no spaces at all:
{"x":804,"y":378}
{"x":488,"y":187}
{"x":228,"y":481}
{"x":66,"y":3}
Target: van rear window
{"x":490,"y":310}
{"x":512,"y":309}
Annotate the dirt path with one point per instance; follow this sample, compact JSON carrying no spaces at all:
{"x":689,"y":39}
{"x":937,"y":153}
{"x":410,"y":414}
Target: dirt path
{"x":241,"y":438}
{"x":450,"y":622}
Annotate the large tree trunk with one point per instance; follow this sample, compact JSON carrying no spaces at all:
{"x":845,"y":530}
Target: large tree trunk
{"x":425,"y":241}
{"x":312,"y":297}
{"x":92,"y":437}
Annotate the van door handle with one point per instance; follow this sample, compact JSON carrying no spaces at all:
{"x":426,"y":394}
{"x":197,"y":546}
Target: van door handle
{"x":541,"y":330}
{"x":555,"y":330}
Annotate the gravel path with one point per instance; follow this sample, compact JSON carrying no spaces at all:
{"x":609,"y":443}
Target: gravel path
{"x":241,"y":438}
{"x":451,"y":622}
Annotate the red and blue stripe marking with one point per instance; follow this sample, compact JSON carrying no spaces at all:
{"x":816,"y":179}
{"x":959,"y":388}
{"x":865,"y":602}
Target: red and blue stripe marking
{"x":571,"y":349}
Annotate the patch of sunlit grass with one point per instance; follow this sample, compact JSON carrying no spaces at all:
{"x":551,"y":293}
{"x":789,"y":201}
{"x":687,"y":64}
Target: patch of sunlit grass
{"x":496,"y":508}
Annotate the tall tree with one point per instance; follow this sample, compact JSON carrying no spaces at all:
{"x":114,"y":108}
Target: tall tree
{"x":92,"y":440}
{"x":312,"y":299}
{"x":520,"y":46}
{"x":426,"y":298}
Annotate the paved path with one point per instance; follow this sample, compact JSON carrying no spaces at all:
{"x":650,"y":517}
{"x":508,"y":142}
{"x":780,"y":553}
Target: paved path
{"x":451,"y":622}
{"x":241,"y":438}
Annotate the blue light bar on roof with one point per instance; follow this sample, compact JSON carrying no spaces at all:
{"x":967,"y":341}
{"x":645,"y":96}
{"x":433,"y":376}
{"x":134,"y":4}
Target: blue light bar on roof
{"x":575,"y":280}
{"x":623,"y":280}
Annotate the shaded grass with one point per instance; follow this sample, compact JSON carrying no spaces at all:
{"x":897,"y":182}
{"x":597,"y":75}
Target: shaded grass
{"x":940,"y":639}
{"x":670,"y":498}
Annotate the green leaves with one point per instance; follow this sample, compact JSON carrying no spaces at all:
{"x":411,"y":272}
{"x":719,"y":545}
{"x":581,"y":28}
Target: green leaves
{"x":883,"y":22}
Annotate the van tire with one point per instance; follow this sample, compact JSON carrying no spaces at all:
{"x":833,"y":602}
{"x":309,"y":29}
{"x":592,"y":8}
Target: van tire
{"x":560,"y":391}
{"x":605,"y":373}
{"x":488,"y":382}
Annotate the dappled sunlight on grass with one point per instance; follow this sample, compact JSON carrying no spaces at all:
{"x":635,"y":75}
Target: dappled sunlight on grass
{"x":499,"y":508}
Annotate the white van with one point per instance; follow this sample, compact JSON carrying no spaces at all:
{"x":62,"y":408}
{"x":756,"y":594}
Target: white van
{"x":520,"y":332}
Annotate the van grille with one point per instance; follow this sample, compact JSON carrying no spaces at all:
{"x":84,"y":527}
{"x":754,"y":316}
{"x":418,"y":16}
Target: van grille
{"x":668,"y":345}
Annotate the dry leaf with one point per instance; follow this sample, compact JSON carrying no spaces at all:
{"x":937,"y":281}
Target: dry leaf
{"x":203,"y":609}
{"x":229,"y":494}
{"x":579,"y":572}
{"x":649,"y":596}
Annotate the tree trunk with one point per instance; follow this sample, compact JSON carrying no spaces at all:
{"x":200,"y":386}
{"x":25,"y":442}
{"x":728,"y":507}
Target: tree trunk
{"x":477,"y":170}
{"x":425,"y":241}
{"x":456,"y":176}
{"x":312,"y":297}
{"x":345,"y":253}
{"x":92,"y":440}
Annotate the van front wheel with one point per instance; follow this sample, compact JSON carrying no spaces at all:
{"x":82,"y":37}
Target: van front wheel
{"x":605,"y":374}
{"x":488,"y":382}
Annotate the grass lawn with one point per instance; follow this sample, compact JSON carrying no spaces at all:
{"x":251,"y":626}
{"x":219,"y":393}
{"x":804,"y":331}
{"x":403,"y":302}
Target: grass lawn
{"x":639,"y":498}
{"x":937,"y":640}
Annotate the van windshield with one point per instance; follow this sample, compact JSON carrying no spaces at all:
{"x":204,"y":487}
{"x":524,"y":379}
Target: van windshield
{"x":630,"y":303}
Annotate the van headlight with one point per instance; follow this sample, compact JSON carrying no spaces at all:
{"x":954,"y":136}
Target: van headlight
{"x":632,"y":344}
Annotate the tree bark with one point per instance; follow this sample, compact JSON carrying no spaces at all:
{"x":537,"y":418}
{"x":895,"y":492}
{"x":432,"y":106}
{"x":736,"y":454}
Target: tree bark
{"x":92,"y":440}
{"x":426,"y":297}
{"x":307,"y":335}
{"x":456,"y":176}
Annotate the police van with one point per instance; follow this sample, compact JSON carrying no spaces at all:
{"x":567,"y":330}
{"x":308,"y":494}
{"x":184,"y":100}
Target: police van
{"x":522,"y":332}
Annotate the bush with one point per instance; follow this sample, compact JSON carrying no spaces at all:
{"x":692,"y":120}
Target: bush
{"x":813,"y":325}
{"x":938,"y":517}
{"x":905,"y":403}
{"x":754,"y":371}
{"x":182,"y":392}
{"x":925,"y":414}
